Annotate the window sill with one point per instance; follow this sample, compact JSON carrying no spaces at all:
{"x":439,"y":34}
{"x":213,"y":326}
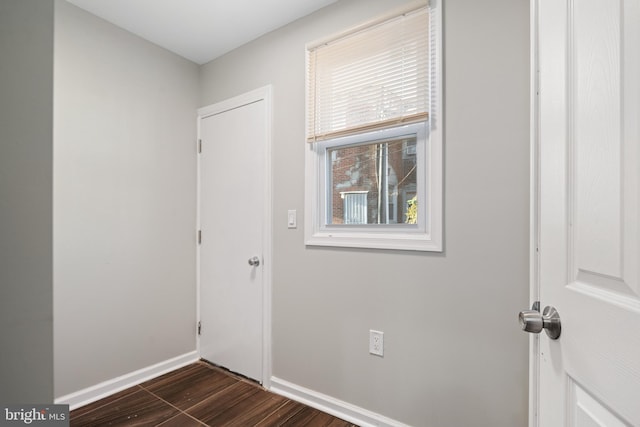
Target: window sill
{"x":405,"y":242}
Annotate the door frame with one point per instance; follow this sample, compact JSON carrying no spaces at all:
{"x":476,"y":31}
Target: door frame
{"x":261,"y":94}
{"x":534,"y":217}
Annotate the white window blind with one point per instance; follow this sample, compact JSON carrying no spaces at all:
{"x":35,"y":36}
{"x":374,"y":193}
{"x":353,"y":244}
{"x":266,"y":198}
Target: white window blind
{"x":371,"y":79}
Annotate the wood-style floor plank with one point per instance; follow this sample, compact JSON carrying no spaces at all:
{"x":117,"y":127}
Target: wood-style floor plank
{"x":101,"y":403}
{"x":137,"y":409}
{"x":181,"y":420}
{"x":251,"y":410}
{"x":190,"y":385}
{"x":337,"y":422}
{"x":281,"y":415}
{"x":219,"y":409}
{"x":200,"y":395}
{"x":310,"y":417}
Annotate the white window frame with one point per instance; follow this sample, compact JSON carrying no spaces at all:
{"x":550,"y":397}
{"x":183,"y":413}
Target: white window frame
{"x":427,"y":235}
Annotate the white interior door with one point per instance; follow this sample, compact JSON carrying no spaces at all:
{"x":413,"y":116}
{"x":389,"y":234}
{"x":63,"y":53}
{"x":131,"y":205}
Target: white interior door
{"x":588,"y":141}
{"x":233,"y":223}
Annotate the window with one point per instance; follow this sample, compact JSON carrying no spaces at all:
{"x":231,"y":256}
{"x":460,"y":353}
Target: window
{"x":375,"y":172}
{"x":373,"y":162}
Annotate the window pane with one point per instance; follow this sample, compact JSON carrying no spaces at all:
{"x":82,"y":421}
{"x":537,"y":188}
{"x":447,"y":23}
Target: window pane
{"x":372,"y":183}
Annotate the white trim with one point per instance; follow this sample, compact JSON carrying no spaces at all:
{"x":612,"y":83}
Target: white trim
{"x":112,"y":386}
{"x":534,"y":284}
{"x":267,"y":258}
{"x":256,"y":95}
{"x":264,"y":93}
{"x":436,"y":130}
{"x":330,"y":405}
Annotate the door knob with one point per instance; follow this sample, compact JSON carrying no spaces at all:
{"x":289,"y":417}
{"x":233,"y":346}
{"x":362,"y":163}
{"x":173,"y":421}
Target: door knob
{"x":534,"y":322}
{"x":254,"y":261}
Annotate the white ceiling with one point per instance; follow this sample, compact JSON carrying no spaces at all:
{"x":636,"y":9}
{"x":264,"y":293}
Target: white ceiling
{"x":200,"y":30}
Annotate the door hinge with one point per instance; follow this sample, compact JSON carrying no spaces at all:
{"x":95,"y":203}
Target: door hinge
{"x":199,"y":328}
{"x":199,"y":237}
{"x":199,"y":146}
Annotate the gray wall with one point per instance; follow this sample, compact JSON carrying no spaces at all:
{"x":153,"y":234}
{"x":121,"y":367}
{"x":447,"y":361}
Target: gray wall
{"x":124,"y":202}
{"x":454,"y":354}
{"x":124,"y":218}
{"x":26,"y":136}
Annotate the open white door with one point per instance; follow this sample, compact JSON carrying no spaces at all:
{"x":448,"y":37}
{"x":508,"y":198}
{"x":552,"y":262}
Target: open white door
{"x":587,"y":180}
{"x":235,"y":224}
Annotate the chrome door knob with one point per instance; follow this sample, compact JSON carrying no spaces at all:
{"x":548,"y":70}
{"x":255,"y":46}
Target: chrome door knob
{"x":534,"y":322}
{"x":254,"y":261}
{"x":531,"y":321}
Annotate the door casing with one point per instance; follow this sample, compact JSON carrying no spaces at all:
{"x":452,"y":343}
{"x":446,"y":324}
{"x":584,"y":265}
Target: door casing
{"x":261,"y":94}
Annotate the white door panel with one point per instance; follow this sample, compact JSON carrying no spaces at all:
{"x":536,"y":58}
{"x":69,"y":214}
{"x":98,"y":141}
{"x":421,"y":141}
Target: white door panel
{"x":232,"y":207}
{"x":588,"y":124}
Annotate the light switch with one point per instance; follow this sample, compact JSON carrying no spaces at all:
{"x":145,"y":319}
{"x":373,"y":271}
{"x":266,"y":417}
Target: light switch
{"x":291,"y":218}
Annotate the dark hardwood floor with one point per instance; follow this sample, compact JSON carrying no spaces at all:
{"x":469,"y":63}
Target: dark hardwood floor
{"x":197,"y":395}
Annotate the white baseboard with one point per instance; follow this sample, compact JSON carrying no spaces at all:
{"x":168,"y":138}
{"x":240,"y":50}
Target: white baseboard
{"x":338,"y":408}
{"x":109,"y":387}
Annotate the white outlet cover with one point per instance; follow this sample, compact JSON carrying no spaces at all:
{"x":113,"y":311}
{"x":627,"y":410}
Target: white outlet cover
{"x":376,"y":343}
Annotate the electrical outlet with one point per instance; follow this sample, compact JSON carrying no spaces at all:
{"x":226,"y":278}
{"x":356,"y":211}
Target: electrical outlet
{"x":376,"y":343}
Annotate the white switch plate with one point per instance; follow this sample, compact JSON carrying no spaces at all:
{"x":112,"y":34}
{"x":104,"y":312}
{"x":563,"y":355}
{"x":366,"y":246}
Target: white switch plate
{"x":376,"y":343}
{"x":291,"y":218}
